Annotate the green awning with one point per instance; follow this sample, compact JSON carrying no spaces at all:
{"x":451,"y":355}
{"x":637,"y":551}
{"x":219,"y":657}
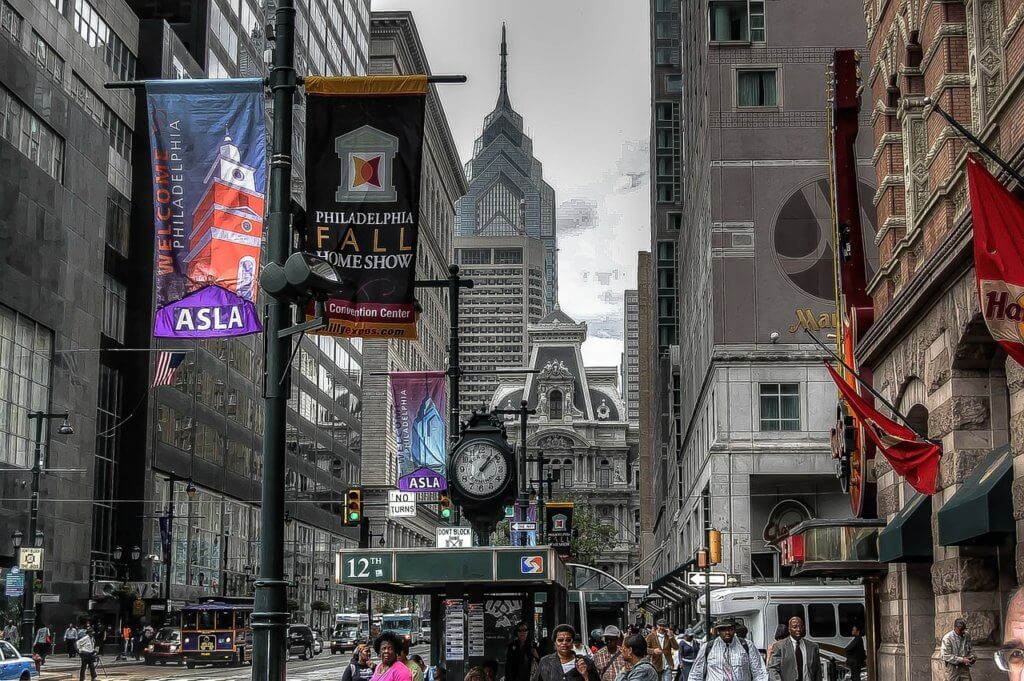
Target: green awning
{"x":908,"y":536}
{"x":982,"y":509}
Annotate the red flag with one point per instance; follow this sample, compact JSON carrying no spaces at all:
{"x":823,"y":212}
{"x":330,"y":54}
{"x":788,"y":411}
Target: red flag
{"x":912,"y":458}
{"x":998,"y":257}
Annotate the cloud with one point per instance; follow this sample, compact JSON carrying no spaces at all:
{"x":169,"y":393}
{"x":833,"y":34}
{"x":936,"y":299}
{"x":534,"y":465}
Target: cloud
{"x":575,"y":216}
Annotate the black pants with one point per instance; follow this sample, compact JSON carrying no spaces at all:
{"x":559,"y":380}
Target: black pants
{"x":88,"y":660}
{"x":855,"y":672}
{"x":70,"y":646}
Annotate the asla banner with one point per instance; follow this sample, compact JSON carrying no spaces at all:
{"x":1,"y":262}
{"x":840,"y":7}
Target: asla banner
{"x":364,"y":148}
{"x":420,"y":405}
{"x":208,"y":154}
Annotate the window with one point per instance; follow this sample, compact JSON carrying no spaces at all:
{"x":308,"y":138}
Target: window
{"x":822,"y":620}
{"x":26,"y":131}
{"x":757,"y":21}
{"x":475,"y":256}
{"x":10,"y":21}
{"x":47,"y":58}
{"x":674,"y":83}
{"x":849,"y":615}
{"x":555,"y":405}
{"x":118,"y":217}
{"x":223,"y":29}
{"x":58,"y":4}
{"x":604,"y":477}
{"x":666,"y":6}
{"x":25,"y":353}
{"x":97,"y":33}
{"x":729,"y":21}
{"x":114,"y":296}
{"x":780,"y":406}
{"x":665,"y":56}
{"x":508,"y":256}
{"x":787,"y":610}
{"x":756,"y":88}
{"x":565,"y":476}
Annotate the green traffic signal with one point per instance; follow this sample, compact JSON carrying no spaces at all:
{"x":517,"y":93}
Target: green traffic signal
{"x":353,"y":515}
{"x":446,"y":513}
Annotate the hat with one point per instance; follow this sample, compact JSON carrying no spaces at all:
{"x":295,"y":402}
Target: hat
{"x":662,"y":623}
{"x":725,"y":624}
{"x":612,"y":631}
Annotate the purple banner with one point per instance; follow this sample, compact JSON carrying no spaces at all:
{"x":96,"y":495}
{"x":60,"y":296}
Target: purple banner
{"x":420,"y":405}
{"x":209,"y":154}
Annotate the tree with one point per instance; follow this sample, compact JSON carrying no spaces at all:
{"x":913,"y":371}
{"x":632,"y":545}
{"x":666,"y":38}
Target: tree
{"x":590,"y":536}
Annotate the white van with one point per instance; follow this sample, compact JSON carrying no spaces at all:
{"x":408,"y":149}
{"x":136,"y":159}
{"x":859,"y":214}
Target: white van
{"x":828,"y":612}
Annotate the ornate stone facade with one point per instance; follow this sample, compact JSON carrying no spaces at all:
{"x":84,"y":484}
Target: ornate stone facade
{"x":930,"y":352}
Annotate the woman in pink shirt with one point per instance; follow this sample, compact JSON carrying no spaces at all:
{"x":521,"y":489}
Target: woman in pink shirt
{"x":387,"y":646}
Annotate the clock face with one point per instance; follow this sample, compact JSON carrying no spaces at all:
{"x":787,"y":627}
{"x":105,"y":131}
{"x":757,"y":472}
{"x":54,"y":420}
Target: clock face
{"x":480,"y":469}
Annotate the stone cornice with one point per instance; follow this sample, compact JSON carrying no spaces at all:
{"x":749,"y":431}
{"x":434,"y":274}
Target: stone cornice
{"x":887,"y":138}
{"x":887,"y":181}
{"x":945,"y":31}
{"x":890,"y":222}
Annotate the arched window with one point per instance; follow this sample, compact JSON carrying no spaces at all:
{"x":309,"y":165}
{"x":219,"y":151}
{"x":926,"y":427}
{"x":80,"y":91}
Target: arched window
{"x":555,"y":405}
{"x":604,"y":474}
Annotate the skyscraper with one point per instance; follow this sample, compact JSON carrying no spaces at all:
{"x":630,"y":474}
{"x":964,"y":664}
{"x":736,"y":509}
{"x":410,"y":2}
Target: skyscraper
{"x":507,"y":194}
{"x":630,"y":368}
{"x":495,"y":315}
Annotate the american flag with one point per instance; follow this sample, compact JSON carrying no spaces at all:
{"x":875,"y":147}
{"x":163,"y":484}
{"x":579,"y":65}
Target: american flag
{"x":167,"y":363}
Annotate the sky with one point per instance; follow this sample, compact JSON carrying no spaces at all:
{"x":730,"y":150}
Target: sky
{"x":578,"y":73}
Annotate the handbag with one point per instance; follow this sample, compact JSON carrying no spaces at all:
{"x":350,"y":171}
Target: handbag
{"x":534,"y":669}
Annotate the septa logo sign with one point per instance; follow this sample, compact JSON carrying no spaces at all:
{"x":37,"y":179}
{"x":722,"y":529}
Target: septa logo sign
{"x":532,"y":565}
{"x":367,"y":156}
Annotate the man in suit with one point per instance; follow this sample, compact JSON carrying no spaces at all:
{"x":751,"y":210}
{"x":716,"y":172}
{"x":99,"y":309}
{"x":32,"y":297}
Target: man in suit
{"x":795,"y":658}
{"x":662,"y":647}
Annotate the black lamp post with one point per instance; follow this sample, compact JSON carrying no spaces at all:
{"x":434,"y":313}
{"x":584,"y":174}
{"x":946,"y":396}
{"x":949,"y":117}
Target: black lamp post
{"x":28,"y":606}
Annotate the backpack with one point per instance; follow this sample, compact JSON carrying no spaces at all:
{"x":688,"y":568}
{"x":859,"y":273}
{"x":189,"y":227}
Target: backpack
{"x":707,"y":651}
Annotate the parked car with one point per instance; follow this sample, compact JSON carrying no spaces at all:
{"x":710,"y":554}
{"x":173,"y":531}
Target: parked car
{"x":300,"y":641}
{"x":15,"y":666}
{"x":165,"y":647}
{"x":318,"y":642}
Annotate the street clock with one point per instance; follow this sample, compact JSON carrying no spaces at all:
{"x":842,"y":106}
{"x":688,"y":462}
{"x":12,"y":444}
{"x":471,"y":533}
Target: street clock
{"x":482,"y":471}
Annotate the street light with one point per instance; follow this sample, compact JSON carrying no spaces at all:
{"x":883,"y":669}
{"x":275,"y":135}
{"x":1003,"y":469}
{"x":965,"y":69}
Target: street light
{"x":16,"y":538}
{"x":65,"y":428}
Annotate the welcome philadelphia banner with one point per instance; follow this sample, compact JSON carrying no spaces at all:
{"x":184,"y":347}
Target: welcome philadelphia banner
{"x":208,"y":153}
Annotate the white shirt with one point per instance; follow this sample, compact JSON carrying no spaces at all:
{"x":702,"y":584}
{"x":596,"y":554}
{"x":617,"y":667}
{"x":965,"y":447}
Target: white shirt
{"x":70,"y":634}
{"x":807,"y":658}
{"x":732,"y":663}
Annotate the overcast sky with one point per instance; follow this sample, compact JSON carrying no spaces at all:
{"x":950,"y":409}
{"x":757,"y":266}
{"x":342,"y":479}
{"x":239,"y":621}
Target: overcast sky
{"x":579,"y":74}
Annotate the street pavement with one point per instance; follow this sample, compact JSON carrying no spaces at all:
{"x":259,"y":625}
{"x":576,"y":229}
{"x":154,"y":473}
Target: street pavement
{"x":323,"y":667}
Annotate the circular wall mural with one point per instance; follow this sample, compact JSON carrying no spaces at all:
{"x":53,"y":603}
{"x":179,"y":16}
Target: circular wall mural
{"x":802,"y":237}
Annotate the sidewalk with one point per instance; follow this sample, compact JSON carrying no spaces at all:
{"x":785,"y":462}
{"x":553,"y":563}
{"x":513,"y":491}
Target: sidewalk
{"x":60,"y":667}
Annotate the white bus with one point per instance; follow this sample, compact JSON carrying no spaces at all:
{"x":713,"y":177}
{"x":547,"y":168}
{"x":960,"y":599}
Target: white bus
{"x":405,"y":624}
{"x":350,"y":629}
{"x":828,"y":611}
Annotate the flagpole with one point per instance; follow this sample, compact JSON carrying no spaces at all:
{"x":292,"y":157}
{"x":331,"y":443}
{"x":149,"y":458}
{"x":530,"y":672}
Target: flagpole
{"x":982,"y":147}
{"x":877,"y":395}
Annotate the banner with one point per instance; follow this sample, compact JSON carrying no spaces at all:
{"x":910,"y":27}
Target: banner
{"x":364,"y":148}
{"x":165,"y":538}
{"x":524,"y":515}
{"x":558,"y":526}
{"x":998,"y":218}
{"x":208,"y":151}
{"x":420,"y":404}
{"x":912,"y":458}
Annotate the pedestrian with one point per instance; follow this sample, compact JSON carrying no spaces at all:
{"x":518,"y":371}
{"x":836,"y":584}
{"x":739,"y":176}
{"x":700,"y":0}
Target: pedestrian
{"x":795,"y":658}
{"x":41,"y":644}
{"x":781,"y":633}
{"x":579,"y":648}
{"x":688,"y":649}
{"x":70,"y":636}
{"x":957,"y":655}
{"x":662,"y":646}
{"x":1009,"y":657}
{"x":728,"y":658}
{"x":11,"y":634}
{"x":359,"y":669}
{"x":637,"y":665}
{"x":414,"y":669}
{"x":564,"y":664}
{"x":99,"y":635}
{"x":389,"y":646}
{"x":856,"y":655}
{"x":475,"y":674}
{"x":522,"y":658}
{"x":741,"y":632}
{"x":609,"y":660}
{"x":86,"y":647}
{"x":126,"y":643}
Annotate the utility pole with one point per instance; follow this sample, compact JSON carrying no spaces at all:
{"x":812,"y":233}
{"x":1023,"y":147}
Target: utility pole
{"x":270,"y":613}
{"x":523,"y":412}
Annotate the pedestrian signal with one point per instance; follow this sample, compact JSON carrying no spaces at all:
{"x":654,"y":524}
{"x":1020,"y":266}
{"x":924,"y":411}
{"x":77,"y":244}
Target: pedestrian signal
{"x":714,"y":547}
{"x":445,"y":506}
{"x":354,"y":507}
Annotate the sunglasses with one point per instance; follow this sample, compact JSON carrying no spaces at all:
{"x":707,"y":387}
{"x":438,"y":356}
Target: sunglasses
{"x":1009,"y":659}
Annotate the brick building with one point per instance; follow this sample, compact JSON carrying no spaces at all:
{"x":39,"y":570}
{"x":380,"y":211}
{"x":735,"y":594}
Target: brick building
{"x":929,"y":349}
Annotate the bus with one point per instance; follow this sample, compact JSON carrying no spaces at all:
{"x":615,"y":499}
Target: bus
{"x":405,"y":624}
{"x":217,"y":630}
{"x":350,"y":629}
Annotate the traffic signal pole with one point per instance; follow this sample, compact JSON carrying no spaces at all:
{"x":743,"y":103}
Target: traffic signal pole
{"x":270,"y":614}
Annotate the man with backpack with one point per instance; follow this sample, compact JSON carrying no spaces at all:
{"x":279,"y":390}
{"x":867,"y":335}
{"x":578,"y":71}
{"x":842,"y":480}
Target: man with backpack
{"x":609,"y":660}
{"x":728,"y":658}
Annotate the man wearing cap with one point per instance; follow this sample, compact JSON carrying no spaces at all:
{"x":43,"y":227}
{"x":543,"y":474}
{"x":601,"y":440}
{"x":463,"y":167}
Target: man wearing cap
{"x":728,"y":658}
{"x":662,"y":647}
{"x":688,"y":649}
{"x":609,"y":660}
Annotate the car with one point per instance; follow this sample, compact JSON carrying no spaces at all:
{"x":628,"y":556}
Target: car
{"x":165,"y":647}
{"x":15,"y":666}
{"x":300,"y":641}
{"x":318,"y":642}
{"x":344,"y":638}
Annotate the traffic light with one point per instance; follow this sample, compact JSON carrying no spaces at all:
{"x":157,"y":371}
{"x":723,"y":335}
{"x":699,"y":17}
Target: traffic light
{"x":354,"y":507}
{"x":714,"y":546}
{"x":445,"y":505}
